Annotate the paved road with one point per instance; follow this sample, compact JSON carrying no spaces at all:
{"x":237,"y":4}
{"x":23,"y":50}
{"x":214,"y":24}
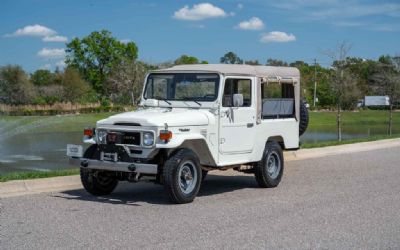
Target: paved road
{"x":336,"y":202}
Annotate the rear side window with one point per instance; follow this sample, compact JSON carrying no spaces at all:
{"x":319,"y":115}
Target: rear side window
{"x":237,"y":86}
{"x":277,"y":101}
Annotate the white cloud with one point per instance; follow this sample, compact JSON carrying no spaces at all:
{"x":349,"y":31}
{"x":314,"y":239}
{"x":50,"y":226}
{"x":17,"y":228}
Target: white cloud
{"x":46,"y":66}
{"x":253,"y":23}
{"x":277,"y":36}
{"x":240,"y":6}
{"x":51,"y":53}
{"x":61,"y":64}
{"x":33,"y":30}
{"x":55,"y":39}
{"x":199,"y":12}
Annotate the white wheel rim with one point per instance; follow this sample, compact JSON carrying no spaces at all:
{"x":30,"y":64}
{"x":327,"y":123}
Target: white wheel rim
{"x":273,"y":165}
{"x":187,"y":177}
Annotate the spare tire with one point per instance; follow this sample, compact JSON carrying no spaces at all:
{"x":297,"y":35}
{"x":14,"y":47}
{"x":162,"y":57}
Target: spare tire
{"x":303,"y":118}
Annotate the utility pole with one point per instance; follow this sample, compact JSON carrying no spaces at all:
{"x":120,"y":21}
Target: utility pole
{"x":315,"y":82}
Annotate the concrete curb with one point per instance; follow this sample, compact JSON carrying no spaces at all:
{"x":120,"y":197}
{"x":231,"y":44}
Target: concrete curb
{"x":64,"y":183}
{"x":53,"y":184}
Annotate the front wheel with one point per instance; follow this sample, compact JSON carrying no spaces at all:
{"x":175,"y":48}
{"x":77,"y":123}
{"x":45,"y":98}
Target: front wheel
{"x":269,"y":170}
{"x":98,"y":182}
{"x":182,"y":176}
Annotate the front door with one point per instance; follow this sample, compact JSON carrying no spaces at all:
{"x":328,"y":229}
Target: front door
{"x":237,"y":124}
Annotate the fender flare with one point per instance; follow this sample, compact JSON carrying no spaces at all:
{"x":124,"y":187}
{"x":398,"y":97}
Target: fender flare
{"x":194,"y":142}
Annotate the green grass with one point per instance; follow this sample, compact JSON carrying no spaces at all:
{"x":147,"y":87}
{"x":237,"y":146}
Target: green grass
{"x":334,"y":143}
{"x":58,"y":123}
{"x":370,"y":117}
{"x":36,"y":174}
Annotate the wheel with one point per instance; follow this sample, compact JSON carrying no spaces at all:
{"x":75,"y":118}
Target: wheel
{"x":303,"y":124}
{"x":269,"y":170}
{"x":203,"y":174}
{"x":98,"y":183}
{"x":182,"y":176}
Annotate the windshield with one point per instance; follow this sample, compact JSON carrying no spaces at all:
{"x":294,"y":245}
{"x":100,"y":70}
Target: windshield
{"x":182,"y":87}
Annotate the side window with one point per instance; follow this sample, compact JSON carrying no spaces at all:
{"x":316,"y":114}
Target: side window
{"x":277,"y":101}
{"x":237,"y":86}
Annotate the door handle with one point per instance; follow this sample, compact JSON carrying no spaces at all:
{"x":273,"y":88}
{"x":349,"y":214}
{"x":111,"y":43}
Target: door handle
{"x":250,"y":125}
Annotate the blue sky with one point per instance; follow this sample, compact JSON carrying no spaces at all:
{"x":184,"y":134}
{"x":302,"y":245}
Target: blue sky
{"x":33,"y":33}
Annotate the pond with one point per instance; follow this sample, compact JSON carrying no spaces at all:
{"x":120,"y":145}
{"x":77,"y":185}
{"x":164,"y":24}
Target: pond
{"x":35,"y":143}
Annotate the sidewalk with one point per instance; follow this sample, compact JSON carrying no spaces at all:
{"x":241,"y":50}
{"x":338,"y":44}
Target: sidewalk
{"x":58,"y":184}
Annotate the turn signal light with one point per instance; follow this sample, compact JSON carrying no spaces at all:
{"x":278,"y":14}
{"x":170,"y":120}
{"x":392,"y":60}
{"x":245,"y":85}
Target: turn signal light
{"x":88,"y":132}
{"x":165,"y":135}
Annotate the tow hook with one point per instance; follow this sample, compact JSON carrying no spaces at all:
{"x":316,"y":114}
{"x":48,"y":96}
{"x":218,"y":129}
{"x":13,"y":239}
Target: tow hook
{"x":132,"y":167}
{"x":84,"y":164}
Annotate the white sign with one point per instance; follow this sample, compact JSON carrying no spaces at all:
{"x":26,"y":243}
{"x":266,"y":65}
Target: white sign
{"x":74,"y":150}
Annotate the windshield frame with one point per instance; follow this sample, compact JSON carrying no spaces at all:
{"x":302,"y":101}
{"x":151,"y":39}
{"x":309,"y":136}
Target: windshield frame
{"x":194,"y":99}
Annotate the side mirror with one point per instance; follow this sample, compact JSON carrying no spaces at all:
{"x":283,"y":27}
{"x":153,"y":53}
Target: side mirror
{"x":237,"y":100}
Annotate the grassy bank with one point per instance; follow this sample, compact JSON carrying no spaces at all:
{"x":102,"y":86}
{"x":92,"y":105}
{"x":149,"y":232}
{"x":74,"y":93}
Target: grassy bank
{"x":350,"y":141}
{"x":37,"y":174}
{"x":370,"y":117}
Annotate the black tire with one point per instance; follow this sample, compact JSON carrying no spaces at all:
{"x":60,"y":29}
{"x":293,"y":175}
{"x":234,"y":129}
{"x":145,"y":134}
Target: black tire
{"x":204,"y":174}
{"x":303,"y":124}
{"x":178,"y":170}
{"x":264,"y":178}
{"x":98,"y":182}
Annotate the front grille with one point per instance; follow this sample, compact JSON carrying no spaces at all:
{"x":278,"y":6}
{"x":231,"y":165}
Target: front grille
{"x":132,"y":138}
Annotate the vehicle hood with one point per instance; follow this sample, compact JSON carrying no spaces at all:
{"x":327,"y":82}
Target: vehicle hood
{"x":159,"y":116}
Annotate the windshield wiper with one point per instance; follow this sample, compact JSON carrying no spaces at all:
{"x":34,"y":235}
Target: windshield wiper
{"x":162,"y":99}
{"x":190,"y":99}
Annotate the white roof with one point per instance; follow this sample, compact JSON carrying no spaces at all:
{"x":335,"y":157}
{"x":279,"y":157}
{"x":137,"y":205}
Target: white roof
{"x":237,"y":69}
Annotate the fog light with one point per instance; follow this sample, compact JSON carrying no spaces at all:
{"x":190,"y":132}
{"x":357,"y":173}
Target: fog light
{"x":148,"y":139}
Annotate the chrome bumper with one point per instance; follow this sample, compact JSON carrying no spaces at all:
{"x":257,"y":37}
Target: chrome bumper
{"x":129,"y":167}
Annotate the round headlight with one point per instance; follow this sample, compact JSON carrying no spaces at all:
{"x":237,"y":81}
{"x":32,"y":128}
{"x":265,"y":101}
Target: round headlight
{"x":148,"y":139}
{"x":101,"y":136}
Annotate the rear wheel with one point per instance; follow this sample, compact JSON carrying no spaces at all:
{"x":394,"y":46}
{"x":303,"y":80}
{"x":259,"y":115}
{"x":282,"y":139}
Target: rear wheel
{"x":182,"y":176}
{"x":269,"y":170}
{"x":98,"y":182}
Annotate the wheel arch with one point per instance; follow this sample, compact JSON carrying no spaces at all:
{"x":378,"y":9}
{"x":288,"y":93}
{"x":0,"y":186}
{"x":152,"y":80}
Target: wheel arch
{"x":199,"y":148}
{"x":277,"y":138}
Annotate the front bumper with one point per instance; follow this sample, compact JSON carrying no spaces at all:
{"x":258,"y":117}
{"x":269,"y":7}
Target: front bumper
{"x":129,"y":167}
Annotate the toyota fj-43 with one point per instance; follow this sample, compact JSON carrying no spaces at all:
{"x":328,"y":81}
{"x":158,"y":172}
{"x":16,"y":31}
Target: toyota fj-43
{"x":193,"y":119}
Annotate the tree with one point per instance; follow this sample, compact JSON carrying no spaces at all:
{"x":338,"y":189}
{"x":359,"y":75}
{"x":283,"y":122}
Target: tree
{"x":97,"y":54}
{"x":15,"y":87}
{"x":42,"y":77}
{"x":185,"y":59}
{"x":388,"y":78}
{"x":252,"y":62}
{"x":231,"y":58}
{"x":75,"y":87}
{"x":125,"y":83}
{"x":276,"y":62}
{"x":343,"y":82}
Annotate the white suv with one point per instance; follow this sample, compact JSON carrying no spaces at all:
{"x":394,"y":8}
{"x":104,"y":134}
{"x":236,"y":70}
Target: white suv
{"x":194,"y":119}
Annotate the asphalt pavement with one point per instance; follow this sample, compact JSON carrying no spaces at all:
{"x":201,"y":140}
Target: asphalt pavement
{"x":349,"y":201}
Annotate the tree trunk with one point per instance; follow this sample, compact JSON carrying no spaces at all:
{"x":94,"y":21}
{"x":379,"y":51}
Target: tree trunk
{"x":339,"y":124}
{"x":390,"y":119}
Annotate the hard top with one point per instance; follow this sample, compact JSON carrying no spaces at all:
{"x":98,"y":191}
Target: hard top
{"x":235,"y":69}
